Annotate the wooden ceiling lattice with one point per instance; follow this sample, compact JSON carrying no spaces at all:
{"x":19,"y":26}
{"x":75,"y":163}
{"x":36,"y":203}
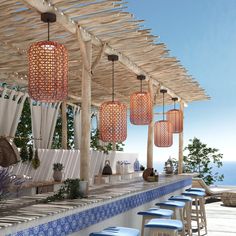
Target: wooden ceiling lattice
{"x":106,"y":22}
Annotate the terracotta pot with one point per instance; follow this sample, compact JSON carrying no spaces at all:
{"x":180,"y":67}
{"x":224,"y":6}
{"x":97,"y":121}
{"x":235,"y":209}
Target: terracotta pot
{"x":57,"y":175}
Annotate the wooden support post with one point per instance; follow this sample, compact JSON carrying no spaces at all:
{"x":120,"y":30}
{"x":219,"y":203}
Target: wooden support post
{"x":150,"y":131}
{"x":64,"y":125}
{"x":181,"y":144}
{"x":86,"y":51}
{"x":113,"y":146}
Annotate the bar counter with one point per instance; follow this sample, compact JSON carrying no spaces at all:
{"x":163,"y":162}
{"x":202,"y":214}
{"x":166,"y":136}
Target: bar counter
{"x":107,"y":205}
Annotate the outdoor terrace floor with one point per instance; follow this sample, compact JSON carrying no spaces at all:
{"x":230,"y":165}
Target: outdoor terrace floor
{"x":221,"y":219}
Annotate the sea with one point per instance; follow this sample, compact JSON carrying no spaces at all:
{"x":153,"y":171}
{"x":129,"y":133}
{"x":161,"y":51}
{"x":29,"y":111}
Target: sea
{"x":228,"y":170}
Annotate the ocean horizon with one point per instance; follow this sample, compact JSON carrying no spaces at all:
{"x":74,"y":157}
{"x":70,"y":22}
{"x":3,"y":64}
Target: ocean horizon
{"x":228,"y":170}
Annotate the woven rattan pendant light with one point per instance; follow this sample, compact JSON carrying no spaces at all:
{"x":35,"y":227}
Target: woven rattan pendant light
{"x":48,"y":68}
{"x":140,"y":106}
{"x":175,"y":116}
{"x":163,"y":135}
{"x":113,"y":116}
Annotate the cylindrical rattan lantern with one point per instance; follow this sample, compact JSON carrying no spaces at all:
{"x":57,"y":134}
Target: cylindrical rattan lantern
{"x":112,"y":122}
{"x":48,"y":68}
{"x":175,"y":116}
{"x":140,"y":106}
{"x":163,"y":135}
{"x":113,"y":116}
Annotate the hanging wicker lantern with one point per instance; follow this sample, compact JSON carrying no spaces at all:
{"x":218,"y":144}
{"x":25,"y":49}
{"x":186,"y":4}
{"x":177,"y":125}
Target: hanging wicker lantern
{"x":163,"y":135}
{"x":48,"y":68}
{"x":140,"y":106}
{"x":175,"y":116}
{"x":113,"y":116}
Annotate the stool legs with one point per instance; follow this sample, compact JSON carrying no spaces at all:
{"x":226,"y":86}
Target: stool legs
{"x":187,"y":217}
{"x":200,"y":214}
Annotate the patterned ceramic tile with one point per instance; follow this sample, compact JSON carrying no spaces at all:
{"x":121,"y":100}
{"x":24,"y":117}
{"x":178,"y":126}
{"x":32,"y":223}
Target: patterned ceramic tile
{"x":76,"y":222}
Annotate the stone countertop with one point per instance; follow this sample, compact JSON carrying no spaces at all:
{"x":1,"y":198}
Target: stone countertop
{"x":98,"y":195}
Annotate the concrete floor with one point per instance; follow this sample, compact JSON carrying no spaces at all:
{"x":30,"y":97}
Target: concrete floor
{"x":221,"y":220}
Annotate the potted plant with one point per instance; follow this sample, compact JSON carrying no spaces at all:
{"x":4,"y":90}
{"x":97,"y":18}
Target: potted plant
{"x":57,"y":172}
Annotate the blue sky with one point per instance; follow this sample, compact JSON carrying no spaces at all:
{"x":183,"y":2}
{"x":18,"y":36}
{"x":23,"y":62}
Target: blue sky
{"x":202,"y":34}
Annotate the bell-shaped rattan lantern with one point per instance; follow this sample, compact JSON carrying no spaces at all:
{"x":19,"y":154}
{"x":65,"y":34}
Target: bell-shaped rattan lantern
{"x":163,"y":135}
{"x":113,"y":116}
{"x":48,"y":68}
{"x":175,"y":117}
{"x":140,"y":106}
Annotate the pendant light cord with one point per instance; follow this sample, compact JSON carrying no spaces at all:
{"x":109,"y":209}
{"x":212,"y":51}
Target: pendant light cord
{"x":163,"y":110}
{"x":113,"y":81}
{"x":48,"y":30}
{"x":141,"y":85}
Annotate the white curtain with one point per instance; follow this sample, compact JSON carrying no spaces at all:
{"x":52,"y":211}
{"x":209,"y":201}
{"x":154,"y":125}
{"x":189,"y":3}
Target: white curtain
{"x":77,"y":126}
{"x":11,"y":105}
{"x":43,"y":118}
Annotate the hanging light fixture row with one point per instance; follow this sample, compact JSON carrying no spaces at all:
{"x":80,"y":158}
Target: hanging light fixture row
{"x":141,"y":106}
{"x":113,"y":115}
{"x":163,"y":133}
{"x":48,"y":68}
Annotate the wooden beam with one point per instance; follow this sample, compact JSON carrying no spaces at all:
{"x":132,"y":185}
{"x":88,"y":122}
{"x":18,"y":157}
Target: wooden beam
{"x":64,"y":125}
{"x":150,"y":130}
{"x":86,"y":111}
{"x":71,"y":26}
{"x":98,"y":59}
{"x":181,"y":143}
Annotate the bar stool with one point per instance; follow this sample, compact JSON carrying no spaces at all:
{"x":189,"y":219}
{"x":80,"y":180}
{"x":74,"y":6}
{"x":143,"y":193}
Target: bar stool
{"x":187,"y":211}
{"x":164,"y":226}
{"x":154,"y":213}
{"x":196,"y":189}
{"x":117,"y":231}
{"x":199,"y":213}
{"x":175,"y":206}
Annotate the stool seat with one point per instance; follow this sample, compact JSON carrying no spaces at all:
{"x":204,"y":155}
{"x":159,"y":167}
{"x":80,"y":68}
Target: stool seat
{"x":117,"y":231}
{"x":165,"y":224}
{"x":168,"y":203}
{"x":194,"y":194}
{"x":181,"y":198}
{"x":196,"y":189}
{"x":160,"y":213}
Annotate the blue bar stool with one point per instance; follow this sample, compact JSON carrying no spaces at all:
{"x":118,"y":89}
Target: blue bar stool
{"x":187,"y":211}
{"x":199,"y":213}
{"x":153,"y":213}
{"x":196,"y":189}
{"x":177,"y":207}
{"x":117,"y":231}
{"x":164,"y":226}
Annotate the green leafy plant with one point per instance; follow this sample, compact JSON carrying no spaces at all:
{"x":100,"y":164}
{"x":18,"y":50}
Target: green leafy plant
{"x":69,"y":190}
{"x":35,"y":161}
{"x":202,"y":159}
{"x":24,"y":154}
{"x":58,"y":167}
{"x":31,"y":153}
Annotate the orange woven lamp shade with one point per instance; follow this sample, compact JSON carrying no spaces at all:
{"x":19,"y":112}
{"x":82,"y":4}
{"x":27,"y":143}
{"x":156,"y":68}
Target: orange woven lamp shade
{"x":175,"y":117}
{"x":140,"y":106}
{"x":113,"y":121}
{"x":163,"y":136}
{"x":48,"y":68}
{"x":48,"y":71}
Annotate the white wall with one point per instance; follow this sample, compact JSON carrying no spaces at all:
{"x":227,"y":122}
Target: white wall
{"x":71,"y":161}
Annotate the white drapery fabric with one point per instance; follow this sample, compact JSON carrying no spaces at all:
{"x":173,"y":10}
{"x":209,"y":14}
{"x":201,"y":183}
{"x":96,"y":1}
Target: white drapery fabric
{"x":11,"y":105}
{"x":77,"y":126}
{"x":43,"y":119}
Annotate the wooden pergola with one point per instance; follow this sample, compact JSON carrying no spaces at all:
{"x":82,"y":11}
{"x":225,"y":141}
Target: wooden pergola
{"x":91,"y":30}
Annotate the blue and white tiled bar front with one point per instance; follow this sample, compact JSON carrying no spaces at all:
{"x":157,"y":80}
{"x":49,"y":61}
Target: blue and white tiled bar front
{"x":111,"y":205}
